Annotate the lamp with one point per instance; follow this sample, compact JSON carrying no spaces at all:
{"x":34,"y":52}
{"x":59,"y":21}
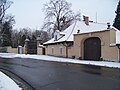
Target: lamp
{"x":118,"y":45}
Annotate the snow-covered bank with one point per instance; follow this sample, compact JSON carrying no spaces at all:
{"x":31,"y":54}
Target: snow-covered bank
{"x":7,"y":84}
{"x":51,"y":58}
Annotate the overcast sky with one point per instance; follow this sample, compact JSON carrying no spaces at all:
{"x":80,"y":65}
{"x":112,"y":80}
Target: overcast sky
{"x":29,"y":13}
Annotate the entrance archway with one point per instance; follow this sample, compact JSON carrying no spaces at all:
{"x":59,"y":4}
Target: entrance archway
{"x":92,"y":49}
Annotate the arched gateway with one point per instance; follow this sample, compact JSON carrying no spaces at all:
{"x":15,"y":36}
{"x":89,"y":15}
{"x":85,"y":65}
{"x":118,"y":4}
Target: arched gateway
{"x":92,"y":49}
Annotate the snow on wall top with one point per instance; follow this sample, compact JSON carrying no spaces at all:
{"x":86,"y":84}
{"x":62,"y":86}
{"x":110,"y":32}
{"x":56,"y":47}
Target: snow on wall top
{"x":83,"y":28}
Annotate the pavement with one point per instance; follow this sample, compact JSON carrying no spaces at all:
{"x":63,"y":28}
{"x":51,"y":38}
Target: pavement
{"x":46,"y":75}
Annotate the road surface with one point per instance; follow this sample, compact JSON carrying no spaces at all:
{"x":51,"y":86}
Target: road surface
{"x":45,"y":75}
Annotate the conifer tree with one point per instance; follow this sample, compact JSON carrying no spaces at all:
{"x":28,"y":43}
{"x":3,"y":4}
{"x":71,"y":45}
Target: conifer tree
{"x":6,"y":34}
{"x":117,"y":18}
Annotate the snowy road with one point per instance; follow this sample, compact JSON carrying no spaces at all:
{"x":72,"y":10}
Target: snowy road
{"x":67,"y":60}
{"x":46,"y":75}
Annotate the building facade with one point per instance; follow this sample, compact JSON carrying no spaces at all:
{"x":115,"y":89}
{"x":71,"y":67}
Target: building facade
{"x":61,"y":49}
{"x":86,"y":40}
{"x":96,"y":45}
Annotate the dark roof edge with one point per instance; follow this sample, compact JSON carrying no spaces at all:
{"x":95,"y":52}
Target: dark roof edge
{"x":57,"y":43}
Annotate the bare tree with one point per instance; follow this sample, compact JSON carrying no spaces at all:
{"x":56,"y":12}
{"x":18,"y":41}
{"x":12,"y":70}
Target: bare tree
{"x":44,"y":36}
{"x":19,"y":36}
{"x":58,"y":15}
{"x":6,"y":31}
{"x":15,"y":38}
{"x":26,"y":31}
{"x":6,"y":23}
{"x":4,"y":5}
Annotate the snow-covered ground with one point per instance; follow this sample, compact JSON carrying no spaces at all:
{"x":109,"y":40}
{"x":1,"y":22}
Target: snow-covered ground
{"x":51,"y":58}
{"x":7,"y":84}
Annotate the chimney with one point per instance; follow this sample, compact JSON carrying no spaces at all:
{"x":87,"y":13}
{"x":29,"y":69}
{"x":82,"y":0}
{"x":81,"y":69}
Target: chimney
{"x":86,"y":19}
{"x":56,"y":35}
{"x":78,"y":31}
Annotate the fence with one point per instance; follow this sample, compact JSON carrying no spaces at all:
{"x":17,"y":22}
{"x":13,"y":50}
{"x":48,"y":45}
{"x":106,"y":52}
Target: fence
{"x":3,"y":49}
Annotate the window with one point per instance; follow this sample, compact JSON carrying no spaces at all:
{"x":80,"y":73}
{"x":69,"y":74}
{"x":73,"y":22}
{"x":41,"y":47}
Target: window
{"x":61,"y":50}
{"x":52,"y":51}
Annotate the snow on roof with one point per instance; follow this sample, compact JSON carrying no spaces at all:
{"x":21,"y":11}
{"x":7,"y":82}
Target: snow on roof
{"x":82,"y":27}
{"x":19,"y":46}
{"x":41,"y":46}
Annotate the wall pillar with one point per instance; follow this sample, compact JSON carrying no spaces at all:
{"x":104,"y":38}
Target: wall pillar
{"x":26,"y":45}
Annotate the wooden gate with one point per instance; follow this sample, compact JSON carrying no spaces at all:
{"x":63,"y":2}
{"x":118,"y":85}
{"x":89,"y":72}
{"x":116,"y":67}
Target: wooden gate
{"x":32,"y":47}
{"x":92,"y":49}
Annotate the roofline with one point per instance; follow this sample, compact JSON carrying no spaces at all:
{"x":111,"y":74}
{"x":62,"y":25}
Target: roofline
{"x":58,"y":43}
{"x":95,"y":31}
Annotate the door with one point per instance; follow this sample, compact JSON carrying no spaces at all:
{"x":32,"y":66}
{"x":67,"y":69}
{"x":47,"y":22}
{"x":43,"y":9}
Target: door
{"x":32,"y":47}
{"x":43,"y":51}
{"x":92,"y":49}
